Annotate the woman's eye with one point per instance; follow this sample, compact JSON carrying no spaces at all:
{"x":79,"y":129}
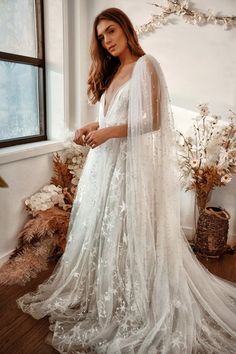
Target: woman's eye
{"x":111,"y":31}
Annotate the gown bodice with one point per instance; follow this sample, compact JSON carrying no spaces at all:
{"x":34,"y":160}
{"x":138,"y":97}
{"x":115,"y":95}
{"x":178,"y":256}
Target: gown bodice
{"x":117,"y":111}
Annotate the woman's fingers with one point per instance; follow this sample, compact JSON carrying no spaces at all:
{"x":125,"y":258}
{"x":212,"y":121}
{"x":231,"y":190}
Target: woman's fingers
{"x":88,"y":138}
{"x":82,"y":137}
{"x":78,"y":138}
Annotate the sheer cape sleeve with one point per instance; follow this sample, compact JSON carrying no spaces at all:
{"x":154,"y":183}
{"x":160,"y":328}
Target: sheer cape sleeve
{"x":160,"y":257}
{"x":152,"y":183}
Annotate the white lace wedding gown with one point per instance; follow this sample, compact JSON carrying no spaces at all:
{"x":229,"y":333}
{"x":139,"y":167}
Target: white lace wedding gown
{"x":128,"y":282}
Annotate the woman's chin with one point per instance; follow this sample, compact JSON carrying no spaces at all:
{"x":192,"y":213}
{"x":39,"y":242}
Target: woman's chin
{"x":114,"y":53}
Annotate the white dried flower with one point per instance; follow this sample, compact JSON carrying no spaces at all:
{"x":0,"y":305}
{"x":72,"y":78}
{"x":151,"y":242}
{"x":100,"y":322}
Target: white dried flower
{"x":181,"y":140}
{"x":195,"y":148}
{"x":226,"y":178}
{"x":203,"y":108}
{"x":46,"y":198}
{"x":194,"y":163}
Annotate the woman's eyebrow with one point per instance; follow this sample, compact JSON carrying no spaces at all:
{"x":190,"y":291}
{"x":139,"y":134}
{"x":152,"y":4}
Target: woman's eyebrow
{"x":106,"y":29}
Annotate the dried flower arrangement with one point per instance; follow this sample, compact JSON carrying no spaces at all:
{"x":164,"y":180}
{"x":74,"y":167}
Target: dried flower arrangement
{"x":208,"y":158}
{"x":44,"y":236}
{"x":191,"y":16}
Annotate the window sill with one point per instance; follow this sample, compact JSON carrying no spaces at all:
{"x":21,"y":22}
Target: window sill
{"x":25,"y":151}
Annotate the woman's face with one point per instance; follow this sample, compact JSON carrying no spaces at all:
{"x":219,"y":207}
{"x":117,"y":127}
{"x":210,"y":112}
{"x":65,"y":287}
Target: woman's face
{"x":112,"y":37}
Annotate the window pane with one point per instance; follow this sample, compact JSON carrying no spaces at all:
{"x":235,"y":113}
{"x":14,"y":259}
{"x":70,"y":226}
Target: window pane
{"x":19,"y":111}
{"x":17,"y":27}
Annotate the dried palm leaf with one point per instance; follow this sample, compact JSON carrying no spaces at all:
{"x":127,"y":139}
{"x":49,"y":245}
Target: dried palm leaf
{"x":3,"y":184}
{"x":62,"y":176}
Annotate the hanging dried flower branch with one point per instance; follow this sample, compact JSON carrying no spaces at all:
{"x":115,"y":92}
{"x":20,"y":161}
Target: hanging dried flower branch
{"x":181,"y":8}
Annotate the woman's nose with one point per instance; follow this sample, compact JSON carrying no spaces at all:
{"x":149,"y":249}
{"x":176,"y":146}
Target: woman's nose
{"x":107,"y":40}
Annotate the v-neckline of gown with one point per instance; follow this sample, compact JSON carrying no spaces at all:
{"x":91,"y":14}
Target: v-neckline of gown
{"x":116,"y":92}
{"x":112,"y":98}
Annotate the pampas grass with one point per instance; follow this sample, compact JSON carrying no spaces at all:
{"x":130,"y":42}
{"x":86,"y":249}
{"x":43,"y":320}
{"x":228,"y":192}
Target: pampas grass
{"x":43,"y":237}
{"x":27,"y":264}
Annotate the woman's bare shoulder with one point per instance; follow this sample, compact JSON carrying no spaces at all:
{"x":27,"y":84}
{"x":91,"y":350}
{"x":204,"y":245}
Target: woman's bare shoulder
{"x":148,"y":63}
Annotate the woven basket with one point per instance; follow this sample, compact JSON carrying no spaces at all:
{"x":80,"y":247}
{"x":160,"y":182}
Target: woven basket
{"x":212,"y":232}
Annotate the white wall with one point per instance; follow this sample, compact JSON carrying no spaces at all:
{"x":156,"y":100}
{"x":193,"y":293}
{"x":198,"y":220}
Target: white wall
{"x":24,"y":177}
{"x":78,"y":61}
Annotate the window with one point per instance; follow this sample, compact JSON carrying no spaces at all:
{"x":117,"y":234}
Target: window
{"x":22,"y":72}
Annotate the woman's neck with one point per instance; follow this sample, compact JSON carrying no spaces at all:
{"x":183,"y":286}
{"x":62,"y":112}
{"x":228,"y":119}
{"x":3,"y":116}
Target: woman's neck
{"x":126,"y":59}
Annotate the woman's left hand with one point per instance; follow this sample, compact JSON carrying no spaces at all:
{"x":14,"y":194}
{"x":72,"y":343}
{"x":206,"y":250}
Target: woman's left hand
{"x":97,"y":137}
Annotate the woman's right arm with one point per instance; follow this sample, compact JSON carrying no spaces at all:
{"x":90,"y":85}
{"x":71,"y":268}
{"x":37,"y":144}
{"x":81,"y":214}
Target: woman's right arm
{"x":83,"y":131}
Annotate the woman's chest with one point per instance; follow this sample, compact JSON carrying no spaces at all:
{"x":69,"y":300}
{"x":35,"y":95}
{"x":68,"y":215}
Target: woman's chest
{"x":117,"y":112}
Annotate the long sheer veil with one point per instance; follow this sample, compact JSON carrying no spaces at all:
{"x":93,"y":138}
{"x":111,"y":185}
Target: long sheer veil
{"x":189,"y":308}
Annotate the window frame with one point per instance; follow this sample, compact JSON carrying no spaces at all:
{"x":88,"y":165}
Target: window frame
{"x":39,"y":62}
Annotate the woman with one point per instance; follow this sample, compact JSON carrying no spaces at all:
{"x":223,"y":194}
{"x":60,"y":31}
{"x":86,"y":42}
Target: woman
{"x":128,"y":282}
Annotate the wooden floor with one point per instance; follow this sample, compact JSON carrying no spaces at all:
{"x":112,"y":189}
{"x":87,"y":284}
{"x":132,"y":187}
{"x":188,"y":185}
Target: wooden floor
{"x":21,"y":334}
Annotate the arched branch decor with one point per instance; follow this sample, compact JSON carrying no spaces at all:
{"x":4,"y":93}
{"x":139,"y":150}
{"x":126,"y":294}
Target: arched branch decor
{"x":191,"y":16}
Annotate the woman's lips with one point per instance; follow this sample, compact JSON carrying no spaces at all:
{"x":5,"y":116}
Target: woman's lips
{"x":112,"y":48}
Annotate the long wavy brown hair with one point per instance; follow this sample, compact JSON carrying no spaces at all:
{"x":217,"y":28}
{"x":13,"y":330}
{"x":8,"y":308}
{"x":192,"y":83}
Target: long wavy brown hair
{"x":104,"y":65}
